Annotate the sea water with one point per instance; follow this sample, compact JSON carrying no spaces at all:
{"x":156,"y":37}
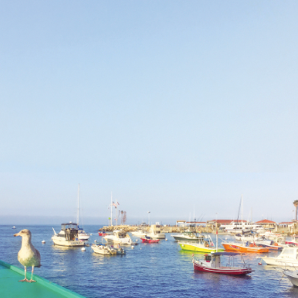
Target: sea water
{"x":148,"y":270}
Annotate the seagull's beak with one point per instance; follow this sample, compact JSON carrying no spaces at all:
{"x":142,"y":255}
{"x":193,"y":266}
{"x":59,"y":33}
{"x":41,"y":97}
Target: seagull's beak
{"x":16,"y":235}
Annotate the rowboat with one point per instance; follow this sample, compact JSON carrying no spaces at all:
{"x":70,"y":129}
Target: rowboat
{"x":211,"y":263}
{"x":145,"y":240}
{"x":243,"y":248}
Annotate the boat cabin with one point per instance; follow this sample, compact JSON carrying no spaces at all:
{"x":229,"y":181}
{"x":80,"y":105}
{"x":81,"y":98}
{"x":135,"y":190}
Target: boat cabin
{"x":70,"y":230}
{"x":214,"y":259}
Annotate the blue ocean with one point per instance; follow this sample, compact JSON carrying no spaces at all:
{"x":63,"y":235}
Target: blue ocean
{"x":148,"y":270}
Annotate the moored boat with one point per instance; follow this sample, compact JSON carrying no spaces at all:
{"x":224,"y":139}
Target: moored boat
{"x":107,"y":250}
{"x":68,"y":236}
{"x":119,"y":237}
{"x":236,"y":247}
{"x":292,"y":276}
{"x":212,"y":263}
{"x":287,"y":258}
{"x":204,"y":244}
{"x":139,"y":233}
{"x":149,"y":240}
{"x":188,"y":236}
{"x":198,"y":247}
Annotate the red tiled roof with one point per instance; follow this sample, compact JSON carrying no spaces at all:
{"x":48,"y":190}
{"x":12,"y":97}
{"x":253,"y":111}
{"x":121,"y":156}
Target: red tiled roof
{"x":265,"y":221}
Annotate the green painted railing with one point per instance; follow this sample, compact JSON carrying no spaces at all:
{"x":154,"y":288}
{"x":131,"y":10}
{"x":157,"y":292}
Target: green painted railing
{"x":44,"y":282}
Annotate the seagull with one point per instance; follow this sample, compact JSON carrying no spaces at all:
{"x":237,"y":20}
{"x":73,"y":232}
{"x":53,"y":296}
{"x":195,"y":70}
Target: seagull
{"x":28,"y":255}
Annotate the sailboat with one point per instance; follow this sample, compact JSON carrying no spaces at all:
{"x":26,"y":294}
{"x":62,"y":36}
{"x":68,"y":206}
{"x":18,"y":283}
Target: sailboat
{"x":82,"y":235}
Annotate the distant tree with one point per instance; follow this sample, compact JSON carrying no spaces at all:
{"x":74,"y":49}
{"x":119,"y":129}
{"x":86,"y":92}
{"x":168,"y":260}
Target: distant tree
{"x":295,"y":203}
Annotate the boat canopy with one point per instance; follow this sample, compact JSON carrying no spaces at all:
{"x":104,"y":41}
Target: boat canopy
{"x":69,"y":225}
{"x":225,"y":253}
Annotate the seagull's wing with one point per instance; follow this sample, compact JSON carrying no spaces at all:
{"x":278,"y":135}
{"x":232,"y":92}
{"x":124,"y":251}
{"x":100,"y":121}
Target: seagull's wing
{"x":38,"y":257}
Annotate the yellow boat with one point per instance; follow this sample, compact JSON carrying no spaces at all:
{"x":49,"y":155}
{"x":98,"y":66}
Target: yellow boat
{"x":205,"y":244}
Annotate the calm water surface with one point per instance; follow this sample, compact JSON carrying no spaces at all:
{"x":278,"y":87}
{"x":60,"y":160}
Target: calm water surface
{"x":148,"y":270}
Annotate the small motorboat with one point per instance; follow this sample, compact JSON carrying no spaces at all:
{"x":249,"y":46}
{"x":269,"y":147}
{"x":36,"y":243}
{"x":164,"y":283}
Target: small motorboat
{"x":13,"y":227}
{"x":251,"y":248}
{"x":292,"y":276}
{"x":204,"y":244}
{"x":211,"y":263}
{"x":119,"y":237}
{"x":149,"y":240}
{"x":102,"y":233}
{"x":107,"y":250}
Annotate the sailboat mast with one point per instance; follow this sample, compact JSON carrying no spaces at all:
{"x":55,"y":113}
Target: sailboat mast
{"x":242,"y":210}
{"x":78,"y":212}
{"x":111,"y":209}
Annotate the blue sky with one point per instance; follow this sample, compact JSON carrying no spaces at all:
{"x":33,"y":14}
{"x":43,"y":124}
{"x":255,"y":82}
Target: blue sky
{"x":177,"y":107}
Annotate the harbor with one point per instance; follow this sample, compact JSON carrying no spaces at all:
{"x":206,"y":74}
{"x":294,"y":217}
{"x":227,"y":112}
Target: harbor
{"x":141,"y":271}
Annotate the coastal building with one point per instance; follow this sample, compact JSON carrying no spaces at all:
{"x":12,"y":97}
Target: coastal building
{"x":266,"y":223}
{"x":180,"y":223}
{"x":219,"y":222}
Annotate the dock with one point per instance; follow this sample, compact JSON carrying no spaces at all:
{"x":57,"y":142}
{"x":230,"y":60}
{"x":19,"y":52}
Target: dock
{"x":11,"y":287}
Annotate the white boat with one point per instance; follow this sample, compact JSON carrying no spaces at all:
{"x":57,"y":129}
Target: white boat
{"x":13,"y":227}
{"x":139,"y":233}
{"x":107,"y":250}
{"x":119,"y":237}
{"x":292,"y":276}
{"x":242,"y":227}
{"x":244,"y":238}
{"x":82,"y":235}
{"x":155,"y":232}
{"x":68,"y":236}
{"x":188,"y":236}
{"x":287,"y":258}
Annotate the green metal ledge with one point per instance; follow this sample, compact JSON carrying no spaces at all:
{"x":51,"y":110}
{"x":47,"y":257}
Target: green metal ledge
{"x":12,"y":288}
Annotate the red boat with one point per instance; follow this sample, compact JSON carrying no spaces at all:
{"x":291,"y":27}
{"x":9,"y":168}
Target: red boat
{"x":102,"y":233}
{"x":145,"y":240}
{"x":212,"y":264}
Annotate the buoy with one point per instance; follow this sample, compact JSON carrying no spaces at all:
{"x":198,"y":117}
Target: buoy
{"x":166,"y":239}
{"x":137,"y":240}
{"x":83,"y":248}
{"x":132,"y":247}
{"x":95,"y":241}
{"x":260,"y":263}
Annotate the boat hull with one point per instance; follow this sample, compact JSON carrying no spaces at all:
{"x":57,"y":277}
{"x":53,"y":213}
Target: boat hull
{"x":293,"y":277}
{"x":188,"y":239}
{"x":280,"y":262}
{"x":70,"y":243}
{"x":222,"y":270}
{"x":198,"y":248}
{"x":239,"y":248}
{"x":150,"y":240}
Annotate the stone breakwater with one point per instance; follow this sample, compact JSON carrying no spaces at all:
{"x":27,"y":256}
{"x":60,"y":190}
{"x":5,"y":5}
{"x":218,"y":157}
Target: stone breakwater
{"x":175,"y":229}
{"x":163,"y":229}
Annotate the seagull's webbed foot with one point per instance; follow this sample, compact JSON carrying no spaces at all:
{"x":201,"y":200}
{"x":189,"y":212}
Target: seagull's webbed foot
{"x":25,"y":279}
{"x":31,"y":280}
